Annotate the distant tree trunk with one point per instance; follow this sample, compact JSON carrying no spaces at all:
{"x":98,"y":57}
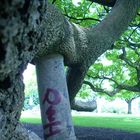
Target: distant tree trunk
{"x":129,"y":103}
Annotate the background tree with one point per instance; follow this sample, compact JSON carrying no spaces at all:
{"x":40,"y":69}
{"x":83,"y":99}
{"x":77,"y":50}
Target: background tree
{"x":128,"y":97}
{"x":118,"y":70}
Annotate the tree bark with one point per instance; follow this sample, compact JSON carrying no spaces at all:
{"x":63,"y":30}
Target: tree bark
{"x":88,"y":106}
{"x":17,"y":49}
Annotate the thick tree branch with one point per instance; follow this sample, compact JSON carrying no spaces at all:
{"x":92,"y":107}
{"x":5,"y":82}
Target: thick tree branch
{"x":134,"y":88}
{"x":95,"y":89}
{"x":118,"y":86}
{"x":110,"y":29}
{"x":127,"y":61}
{"x":104,"y":78}
{"x":135,"y":65}
{"x":84,"y":106}
{"x":53,"y":1}
{"x":75,"y":76}
{"x":85,"y":18}
{"x":101,"y":38}
{"x":109,"y":3}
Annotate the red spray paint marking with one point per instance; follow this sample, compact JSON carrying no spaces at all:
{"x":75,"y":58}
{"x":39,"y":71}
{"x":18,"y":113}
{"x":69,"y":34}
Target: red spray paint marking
{"x":50,"y":112}
{"x":50,"y":127}
{"x":57,"y":97}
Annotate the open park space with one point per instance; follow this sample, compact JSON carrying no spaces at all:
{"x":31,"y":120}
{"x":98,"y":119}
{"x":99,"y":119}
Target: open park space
{"x":99,"y":127}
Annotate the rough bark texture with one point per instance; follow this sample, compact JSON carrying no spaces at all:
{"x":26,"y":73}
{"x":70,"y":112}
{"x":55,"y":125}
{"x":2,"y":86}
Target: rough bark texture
{"x":19,"y":36}
{"x":29,"y":29}
{"x":84,"y":106}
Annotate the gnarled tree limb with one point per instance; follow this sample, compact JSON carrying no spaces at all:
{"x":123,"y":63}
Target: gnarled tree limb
{"x":109,"y":3}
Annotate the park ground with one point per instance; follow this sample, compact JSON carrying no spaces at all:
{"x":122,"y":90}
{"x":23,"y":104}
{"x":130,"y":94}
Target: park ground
{"x":93,"y":126}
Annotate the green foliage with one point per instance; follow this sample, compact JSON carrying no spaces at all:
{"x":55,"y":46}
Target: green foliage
{"x":30,"y":101}
{"x":83,"y":12}
{"x":118,"y":70}
{"x":85,"y":93}
{"x":127,"y":95}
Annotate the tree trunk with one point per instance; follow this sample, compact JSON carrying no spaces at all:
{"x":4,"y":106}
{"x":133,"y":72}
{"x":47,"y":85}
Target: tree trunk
{"x":16,"y":52}
{"x":11,"y":103}
{"x":129,"y":103}
{"x":54,"y":99}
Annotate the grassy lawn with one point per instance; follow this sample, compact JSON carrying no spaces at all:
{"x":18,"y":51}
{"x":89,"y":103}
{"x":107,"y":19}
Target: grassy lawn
{"x":123,"y":122}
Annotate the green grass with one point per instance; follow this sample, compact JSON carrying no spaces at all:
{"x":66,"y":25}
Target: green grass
{"x":31,"y":120}
{"x":126,"y":123}
{"x":123,"y":122}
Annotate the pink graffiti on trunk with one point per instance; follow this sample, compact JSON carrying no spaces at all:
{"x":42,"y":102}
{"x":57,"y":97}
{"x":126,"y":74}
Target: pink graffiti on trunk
{"x":50,"y":112}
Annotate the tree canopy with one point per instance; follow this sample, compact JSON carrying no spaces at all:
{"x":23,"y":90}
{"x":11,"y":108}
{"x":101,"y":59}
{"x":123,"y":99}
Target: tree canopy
{"x":124,"y":54}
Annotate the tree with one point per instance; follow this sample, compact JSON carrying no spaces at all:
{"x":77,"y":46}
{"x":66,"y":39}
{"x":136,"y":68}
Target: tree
{"x":29,"y":30}
{"x":128,"y":97}
{"x":118,"y":76}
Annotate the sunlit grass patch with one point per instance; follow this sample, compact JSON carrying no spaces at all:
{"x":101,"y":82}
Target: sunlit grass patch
{"x":31,"y":120}
{"x":126,"y":123}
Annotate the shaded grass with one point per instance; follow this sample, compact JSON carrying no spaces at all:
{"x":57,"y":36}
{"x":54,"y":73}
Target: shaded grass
{"x":126,"y":123}
{"x":131,"y":124}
